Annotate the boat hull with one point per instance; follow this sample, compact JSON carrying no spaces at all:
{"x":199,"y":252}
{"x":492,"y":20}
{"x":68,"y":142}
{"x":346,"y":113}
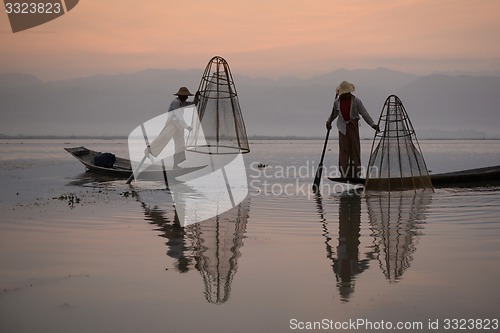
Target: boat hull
{"x":472,"y":177}
{"x":122,"y":166}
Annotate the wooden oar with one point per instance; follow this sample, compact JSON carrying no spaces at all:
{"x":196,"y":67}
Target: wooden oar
{"x":129,"y":180}
{"x":319,"y":172}
{"x":317,"y":178}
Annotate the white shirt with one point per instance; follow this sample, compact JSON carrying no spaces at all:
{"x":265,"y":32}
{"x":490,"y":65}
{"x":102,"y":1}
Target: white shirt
{"x":357,"y":108}
{"x":177,"y":116}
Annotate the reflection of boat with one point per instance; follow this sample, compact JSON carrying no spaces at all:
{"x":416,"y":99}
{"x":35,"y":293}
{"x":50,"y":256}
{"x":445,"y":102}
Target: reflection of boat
{"x":212,"y":247}
{"x":121,"y":167}
{"x":396,"y":220}
{"x":480,"y":176}
{"x":346,"y":263}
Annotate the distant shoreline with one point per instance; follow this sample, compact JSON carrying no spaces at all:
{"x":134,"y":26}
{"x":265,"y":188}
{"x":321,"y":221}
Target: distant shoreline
{"x":60,"y":137}
{"x":250,"y":138}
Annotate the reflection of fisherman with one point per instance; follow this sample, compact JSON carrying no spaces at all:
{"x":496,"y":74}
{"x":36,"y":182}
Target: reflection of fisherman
{"x":175,"y":235}
{"x":348,"y":108}
{"x":348,"y":264}
{"x":174,"y":128}
{"x":214,"y":246}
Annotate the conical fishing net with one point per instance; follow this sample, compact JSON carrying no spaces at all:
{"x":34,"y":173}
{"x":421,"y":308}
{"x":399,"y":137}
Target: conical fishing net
{"x":396,"y":161}
{"x":221,"y":129}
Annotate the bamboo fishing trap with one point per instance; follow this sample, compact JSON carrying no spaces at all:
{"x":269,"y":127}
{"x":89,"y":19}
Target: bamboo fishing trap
{"x":396,"y":160}
{"x":221,"y":129}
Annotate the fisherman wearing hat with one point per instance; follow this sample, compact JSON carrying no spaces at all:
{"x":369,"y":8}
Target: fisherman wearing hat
{"x":348,"y":108}
{"x":181,"y":100}
{"x":174,"y":128}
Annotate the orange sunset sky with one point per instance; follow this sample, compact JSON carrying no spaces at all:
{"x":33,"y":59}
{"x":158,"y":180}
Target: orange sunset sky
{"x":258,"y":37}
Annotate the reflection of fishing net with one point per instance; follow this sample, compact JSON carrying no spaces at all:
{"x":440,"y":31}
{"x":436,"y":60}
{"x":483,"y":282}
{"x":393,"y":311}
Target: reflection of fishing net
{"x":396,"y":220}
{"x":219,"y":112}
{"x":217,"y":249}
{"x":395,"y":162}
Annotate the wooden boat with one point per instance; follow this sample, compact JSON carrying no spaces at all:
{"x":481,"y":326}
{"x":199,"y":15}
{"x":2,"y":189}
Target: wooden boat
{"x":472,"y":177}
{"x":122,"y":166}
{"x":482,"y":176}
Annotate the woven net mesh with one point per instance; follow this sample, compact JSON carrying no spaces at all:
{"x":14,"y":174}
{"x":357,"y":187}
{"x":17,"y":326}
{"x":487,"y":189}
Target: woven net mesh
{"x":219,"y":112}
{"x":396,"y":161}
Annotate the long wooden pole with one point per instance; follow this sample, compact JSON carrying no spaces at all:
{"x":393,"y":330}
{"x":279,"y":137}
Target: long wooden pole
{"x":319,"y":172}
{"x":129,"y":180}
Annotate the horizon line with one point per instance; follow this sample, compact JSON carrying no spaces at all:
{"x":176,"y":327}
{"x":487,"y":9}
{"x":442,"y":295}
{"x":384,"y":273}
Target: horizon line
{"x":494,"y":73}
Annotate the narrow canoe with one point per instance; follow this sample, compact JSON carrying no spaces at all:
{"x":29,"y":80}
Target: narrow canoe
{"x":472,"y":177}
{"x":122,"y":166}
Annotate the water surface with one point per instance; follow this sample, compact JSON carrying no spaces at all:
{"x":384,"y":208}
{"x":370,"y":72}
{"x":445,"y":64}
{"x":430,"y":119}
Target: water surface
{"x":78,"y":254}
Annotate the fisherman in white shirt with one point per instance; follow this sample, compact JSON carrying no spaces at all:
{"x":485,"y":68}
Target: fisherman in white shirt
{"x":348,"y":109}
{"x":174,"y":128}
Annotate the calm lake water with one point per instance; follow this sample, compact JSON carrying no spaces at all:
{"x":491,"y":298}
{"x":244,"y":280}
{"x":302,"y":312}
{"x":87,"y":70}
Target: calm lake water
{"x":78,"y":254}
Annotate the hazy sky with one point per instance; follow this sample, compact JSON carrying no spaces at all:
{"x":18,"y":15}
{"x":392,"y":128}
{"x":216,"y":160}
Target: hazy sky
{"x":258,"y":37}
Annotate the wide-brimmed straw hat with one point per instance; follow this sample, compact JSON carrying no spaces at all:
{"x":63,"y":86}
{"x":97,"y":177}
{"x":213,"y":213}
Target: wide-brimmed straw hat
{"x":183,"y":91}
{"x":345,"y":87}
